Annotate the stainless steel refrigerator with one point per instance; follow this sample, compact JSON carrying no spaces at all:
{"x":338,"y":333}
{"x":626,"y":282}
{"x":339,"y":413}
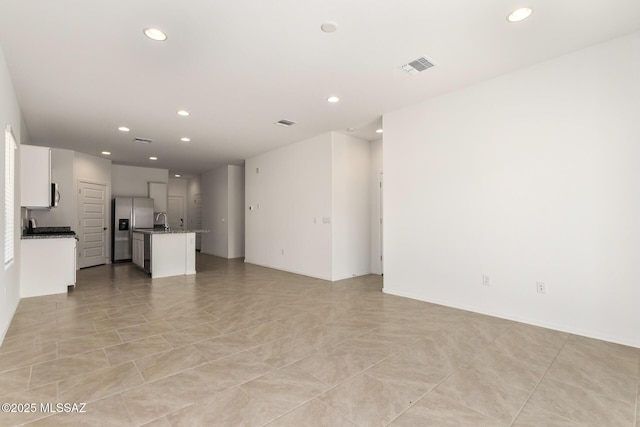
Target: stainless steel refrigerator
{"x":128,"y":213}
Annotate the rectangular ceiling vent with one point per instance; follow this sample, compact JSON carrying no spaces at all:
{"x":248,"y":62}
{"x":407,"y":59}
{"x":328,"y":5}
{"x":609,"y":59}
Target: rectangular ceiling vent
{"x":142,"y":140}
{"x":418,"y":65}
{"x":285,"y":123}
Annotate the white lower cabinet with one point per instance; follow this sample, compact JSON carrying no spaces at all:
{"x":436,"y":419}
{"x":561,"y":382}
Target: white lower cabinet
{"x":137,"y":250}
{"x":47,"y":266}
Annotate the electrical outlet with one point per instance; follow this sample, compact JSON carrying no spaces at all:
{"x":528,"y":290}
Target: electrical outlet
{"x":540,"y":286}
{"x":486,"y":280}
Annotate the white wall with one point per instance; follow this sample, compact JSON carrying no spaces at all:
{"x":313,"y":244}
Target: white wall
{"x":215,"y":206}
{"x":351,"y":206}
{"x":92,"y":169}
{"x":223,"y":211}
{"x":194,"y":192}
{"x":133,"y":181}
{"x":532,"y":176}
{"x":10,"y":275}
{"x":376,"y":206}
{"x":178,"y":187}
{"x":289,"y":197}
{"x":235,"y":215}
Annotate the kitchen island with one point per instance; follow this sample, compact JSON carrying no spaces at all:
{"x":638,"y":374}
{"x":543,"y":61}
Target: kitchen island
{"x":165,"y":252}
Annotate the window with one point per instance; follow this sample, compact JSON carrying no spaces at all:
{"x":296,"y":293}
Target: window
{"x":9,"y":195}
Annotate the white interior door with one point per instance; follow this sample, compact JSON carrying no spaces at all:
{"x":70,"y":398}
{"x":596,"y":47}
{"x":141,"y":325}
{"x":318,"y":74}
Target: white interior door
{"x":175,"y":214}
{"x":198,"y":207}
{"x":92,"y":224}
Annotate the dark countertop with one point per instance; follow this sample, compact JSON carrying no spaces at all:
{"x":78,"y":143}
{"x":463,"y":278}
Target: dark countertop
{"x":163,"y":231}
{"x":48,"y":236}
{"x":49,"y":233}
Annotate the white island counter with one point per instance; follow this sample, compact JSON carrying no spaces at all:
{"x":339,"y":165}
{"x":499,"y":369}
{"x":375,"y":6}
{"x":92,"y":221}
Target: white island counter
{"x":164,"y":253}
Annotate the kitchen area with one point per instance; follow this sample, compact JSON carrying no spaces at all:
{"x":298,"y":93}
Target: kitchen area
{"x":69,"y":220}
{"x":146,"y":238}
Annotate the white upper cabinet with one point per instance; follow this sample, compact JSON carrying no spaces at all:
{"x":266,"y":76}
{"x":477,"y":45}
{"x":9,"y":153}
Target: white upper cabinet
{"x":35,"y":177}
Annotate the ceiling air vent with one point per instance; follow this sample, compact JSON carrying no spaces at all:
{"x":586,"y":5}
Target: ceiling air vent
{"x":142,"y":140}
{"x":419,"y":65}
{"x":285,"y":123}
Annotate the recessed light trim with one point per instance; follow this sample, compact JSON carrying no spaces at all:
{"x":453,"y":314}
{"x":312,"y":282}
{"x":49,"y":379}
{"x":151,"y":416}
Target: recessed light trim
{"x":155,"y":34}
{"x":153,"y":158}
{"x":177,"y":175}
{"x":379,"y":131}
{"x":329,"y":26}
{"x":183,"y":113}
{"x":333,"y":99}
{"x":185,"y":139}
{"x":124,"y":129}
{"x":106,"y":153}
{"x":519,"y":14}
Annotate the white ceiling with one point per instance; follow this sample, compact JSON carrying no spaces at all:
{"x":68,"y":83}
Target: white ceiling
{"x":83,"y":68}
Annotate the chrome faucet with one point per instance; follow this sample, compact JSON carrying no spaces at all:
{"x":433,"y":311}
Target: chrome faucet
{"x":166,"y":226}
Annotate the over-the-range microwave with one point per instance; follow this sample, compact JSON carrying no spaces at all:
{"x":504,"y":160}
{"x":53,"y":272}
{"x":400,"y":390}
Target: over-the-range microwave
{"x":55,"y":195}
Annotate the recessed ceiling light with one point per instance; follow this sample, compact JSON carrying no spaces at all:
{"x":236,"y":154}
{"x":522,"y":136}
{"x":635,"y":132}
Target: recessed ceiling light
{"x":329,"y":26}
{"x":123,"y":129}
{"x":153,"y":158}
{"x":333,"y":99}
{"x":519,"y":14}
{"x":183,"y":113}
{"x":106,"y":153}
{"x":378,"y":130}
{"x":351,"y":129}
{"x":155,"y":34}
{"x":177,"y":175}
{"x":185,"y":139}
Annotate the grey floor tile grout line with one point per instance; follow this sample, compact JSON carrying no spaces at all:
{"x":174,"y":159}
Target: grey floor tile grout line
{"x":415,"y":402}
{"x":126,"y":408}
{"x":275,"y":370}
{"x":301,"y":404}
{"x":540,"y":381}
{"x":454,"y":371}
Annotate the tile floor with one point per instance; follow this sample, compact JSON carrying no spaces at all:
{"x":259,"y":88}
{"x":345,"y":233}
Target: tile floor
{"x":238,"y":344}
